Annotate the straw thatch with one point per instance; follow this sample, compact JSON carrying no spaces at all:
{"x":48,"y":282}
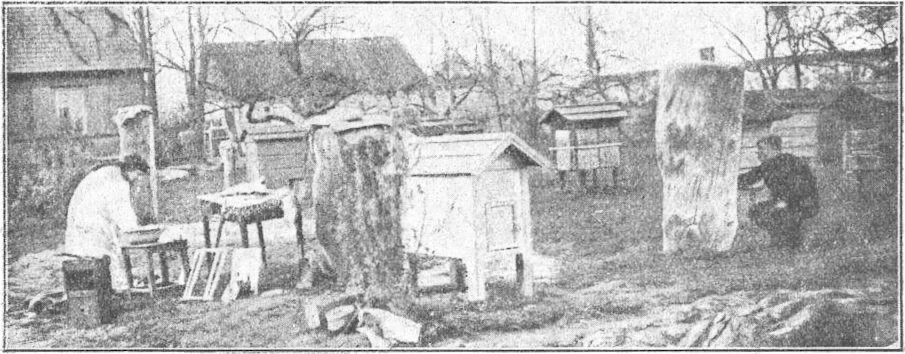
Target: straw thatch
{"x":254,"y":71}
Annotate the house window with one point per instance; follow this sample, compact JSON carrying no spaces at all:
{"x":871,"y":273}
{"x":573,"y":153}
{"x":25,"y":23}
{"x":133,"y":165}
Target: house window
{"x":71,"y":109}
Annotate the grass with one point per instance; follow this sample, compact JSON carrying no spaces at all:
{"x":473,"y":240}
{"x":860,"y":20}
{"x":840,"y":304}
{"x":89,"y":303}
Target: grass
{"x":598,"y":236}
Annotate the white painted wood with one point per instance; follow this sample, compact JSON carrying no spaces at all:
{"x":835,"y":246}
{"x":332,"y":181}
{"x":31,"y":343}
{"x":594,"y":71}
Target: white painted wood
{"x":526,"y":236}
{"x":472,"y":216}
{"x":437,"y":216}
{"x":253,"y":162}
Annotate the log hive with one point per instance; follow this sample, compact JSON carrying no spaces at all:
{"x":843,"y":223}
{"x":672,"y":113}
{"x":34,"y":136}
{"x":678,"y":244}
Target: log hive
{"x":698,"y":135}
{"x":357,"y":200}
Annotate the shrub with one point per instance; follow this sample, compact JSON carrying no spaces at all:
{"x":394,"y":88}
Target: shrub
{"x":42,"y":176}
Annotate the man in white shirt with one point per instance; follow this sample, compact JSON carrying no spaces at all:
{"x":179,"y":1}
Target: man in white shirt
{"x":99,"y":211}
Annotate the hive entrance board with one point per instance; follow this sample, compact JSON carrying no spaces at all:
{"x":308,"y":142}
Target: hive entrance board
{"x":207,"y":266}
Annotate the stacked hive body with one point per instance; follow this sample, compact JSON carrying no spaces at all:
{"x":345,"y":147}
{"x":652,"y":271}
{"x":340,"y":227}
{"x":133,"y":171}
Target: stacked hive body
{"x":87,"y":283}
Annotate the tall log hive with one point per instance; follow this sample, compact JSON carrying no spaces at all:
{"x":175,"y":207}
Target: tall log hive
{"x":698,"y":134}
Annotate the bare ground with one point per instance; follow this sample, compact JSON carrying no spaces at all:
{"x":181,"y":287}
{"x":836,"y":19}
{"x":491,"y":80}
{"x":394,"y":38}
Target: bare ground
{"x":596,"y":238}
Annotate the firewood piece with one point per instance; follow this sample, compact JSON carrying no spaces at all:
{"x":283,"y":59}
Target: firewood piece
{"x":376,"y":340}
{"x":314,"y":311}
{"x":340,"y":319}
{"x":698,"y":137}
{"x":392,"y":326}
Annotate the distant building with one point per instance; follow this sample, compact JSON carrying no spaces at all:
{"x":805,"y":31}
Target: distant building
{"x":67,"y":71}
{"x":372,"y":74}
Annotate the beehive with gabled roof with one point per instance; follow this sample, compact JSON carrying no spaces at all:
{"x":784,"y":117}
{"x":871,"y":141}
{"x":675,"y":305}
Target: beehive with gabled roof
{"x":587,"y":136}
{"x":468,"y":197}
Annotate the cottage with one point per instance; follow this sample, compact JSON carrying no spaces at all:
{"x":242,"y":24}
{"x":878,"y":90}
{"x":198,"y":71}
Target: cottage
{"x":264,"y":87}
{"x":588,"y":137}
{"x":468,"y":197}
{"x":68,"y":70}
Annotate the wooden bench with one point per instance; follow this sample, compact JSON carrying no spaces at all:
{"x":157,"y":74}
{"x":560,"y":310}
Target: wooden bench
{"x":180,"y":247}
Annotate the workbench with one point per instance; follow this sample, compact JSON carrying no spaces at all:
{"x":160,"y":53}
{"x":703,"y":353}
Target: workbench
{"x":243,"y":208}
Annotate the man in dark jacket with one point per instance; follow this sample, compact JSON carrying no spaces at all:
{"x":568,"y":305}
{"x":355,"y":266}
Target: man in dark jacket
{"x":793,"y":193}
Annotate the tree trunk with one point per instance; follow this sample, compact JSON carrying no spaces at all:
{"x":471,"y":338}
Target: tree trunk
{"x":698,"y":136}
{"x":357,"y":200}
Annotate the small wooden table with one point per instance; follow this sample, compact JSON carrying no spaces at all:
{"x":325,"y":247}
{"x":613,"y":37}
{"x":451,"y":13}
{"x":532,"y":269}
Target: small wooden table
{"x":244,"y":209}
{"x":180,"y":247}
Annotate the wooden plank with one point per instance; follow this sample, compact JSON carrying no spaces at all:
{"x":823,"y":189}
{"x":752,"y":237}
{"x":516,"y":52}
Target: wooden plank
{"x":586,"y":136}
{"x":588,"y":159}
{"x":315,"y":310}
{"x":591,"y":108}
{"x":280,"y":147}
{"x":563,"y":157}
{"x":340,"y":319}
{"x":282,"y":161}
{"x":526,"y":236}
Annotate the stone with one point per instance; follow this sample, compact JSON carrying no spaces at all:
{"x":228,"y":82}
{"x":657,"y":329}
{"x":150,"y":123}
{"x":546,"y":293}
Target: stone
{"x":771,"y":300}
{"x":695,"y":335}
{"x":747,"y":310}
{"x":675,"y":332}
{"x":785,"y":309}
{"x":605,"y":339}
{"x":650,"y":337}
{"x":716,"y":327}
{"x":795,"y":322}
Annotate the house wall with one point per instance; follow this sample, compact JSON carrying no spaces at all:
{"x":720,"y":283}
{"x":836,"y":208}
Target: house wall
{"x":799,"y":133}
{"x":438,"y":216}
{"x":33,"y":101}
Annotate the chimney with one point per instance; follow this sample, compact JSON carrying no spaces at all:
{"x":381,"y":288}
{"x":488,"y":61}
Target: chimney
{"x":707,"y":54}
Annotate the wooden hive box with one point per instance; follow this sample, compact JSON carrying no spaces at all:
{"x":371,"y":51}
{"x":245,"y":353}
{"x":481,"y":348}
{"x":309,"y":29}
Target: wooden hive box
{"x":277,"y":154}
{"x":468,"y":197}
{"x":587,"y":136}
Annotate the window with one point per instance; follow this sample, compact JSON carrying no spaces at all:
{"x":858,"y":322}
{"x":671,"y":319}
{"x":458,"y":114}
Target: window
{"x":71,"y":110}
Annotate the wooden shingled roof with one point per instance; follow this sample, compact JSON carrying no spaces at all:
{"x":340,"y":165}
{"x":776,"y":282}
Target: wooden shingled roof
{"x":586,"y":112}
{"x":98,"y":39}
{"x":468,"y":154}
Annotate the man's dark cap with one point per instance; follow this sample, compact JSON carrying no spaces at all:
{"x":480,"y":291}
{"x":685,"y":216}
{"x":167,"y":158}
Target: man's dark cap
{"x":135,"y":163}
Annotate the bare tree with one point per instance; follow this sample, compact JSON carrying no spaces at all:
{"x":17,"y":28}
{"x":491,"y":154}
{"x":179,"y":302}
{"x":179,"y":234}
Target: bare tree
{"x":875,"y":25}
{"x":596,"y":56}
{"x":293,"y":28}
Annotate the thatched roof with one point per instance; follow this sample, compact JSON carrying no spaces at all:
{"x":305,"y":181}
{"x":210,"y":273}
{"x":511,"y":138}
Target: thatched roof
{"x":263,"y":70}
{"x":759,"y":109}
{"x":767,"y":106}
{"x":69,"y":39}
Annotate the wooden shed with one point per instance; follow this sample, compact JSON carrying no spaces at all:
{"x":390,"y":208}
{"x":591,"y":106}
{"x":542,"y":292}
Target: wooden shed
{"x":795,"y":115}
{"x":587,"y":137}
{"x":861,"y":128}
{"x":468,"y":197}
{"x":276,"y":153}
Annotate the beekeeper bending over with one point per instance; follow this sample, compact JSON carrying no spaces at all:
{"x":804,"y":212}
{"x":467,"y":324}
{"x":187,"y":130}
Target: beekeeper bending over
{"x":100,"y":210}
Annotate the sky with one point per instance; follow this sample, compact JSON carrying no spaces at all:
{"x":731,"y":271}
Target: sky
{"x":649,"y":35}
